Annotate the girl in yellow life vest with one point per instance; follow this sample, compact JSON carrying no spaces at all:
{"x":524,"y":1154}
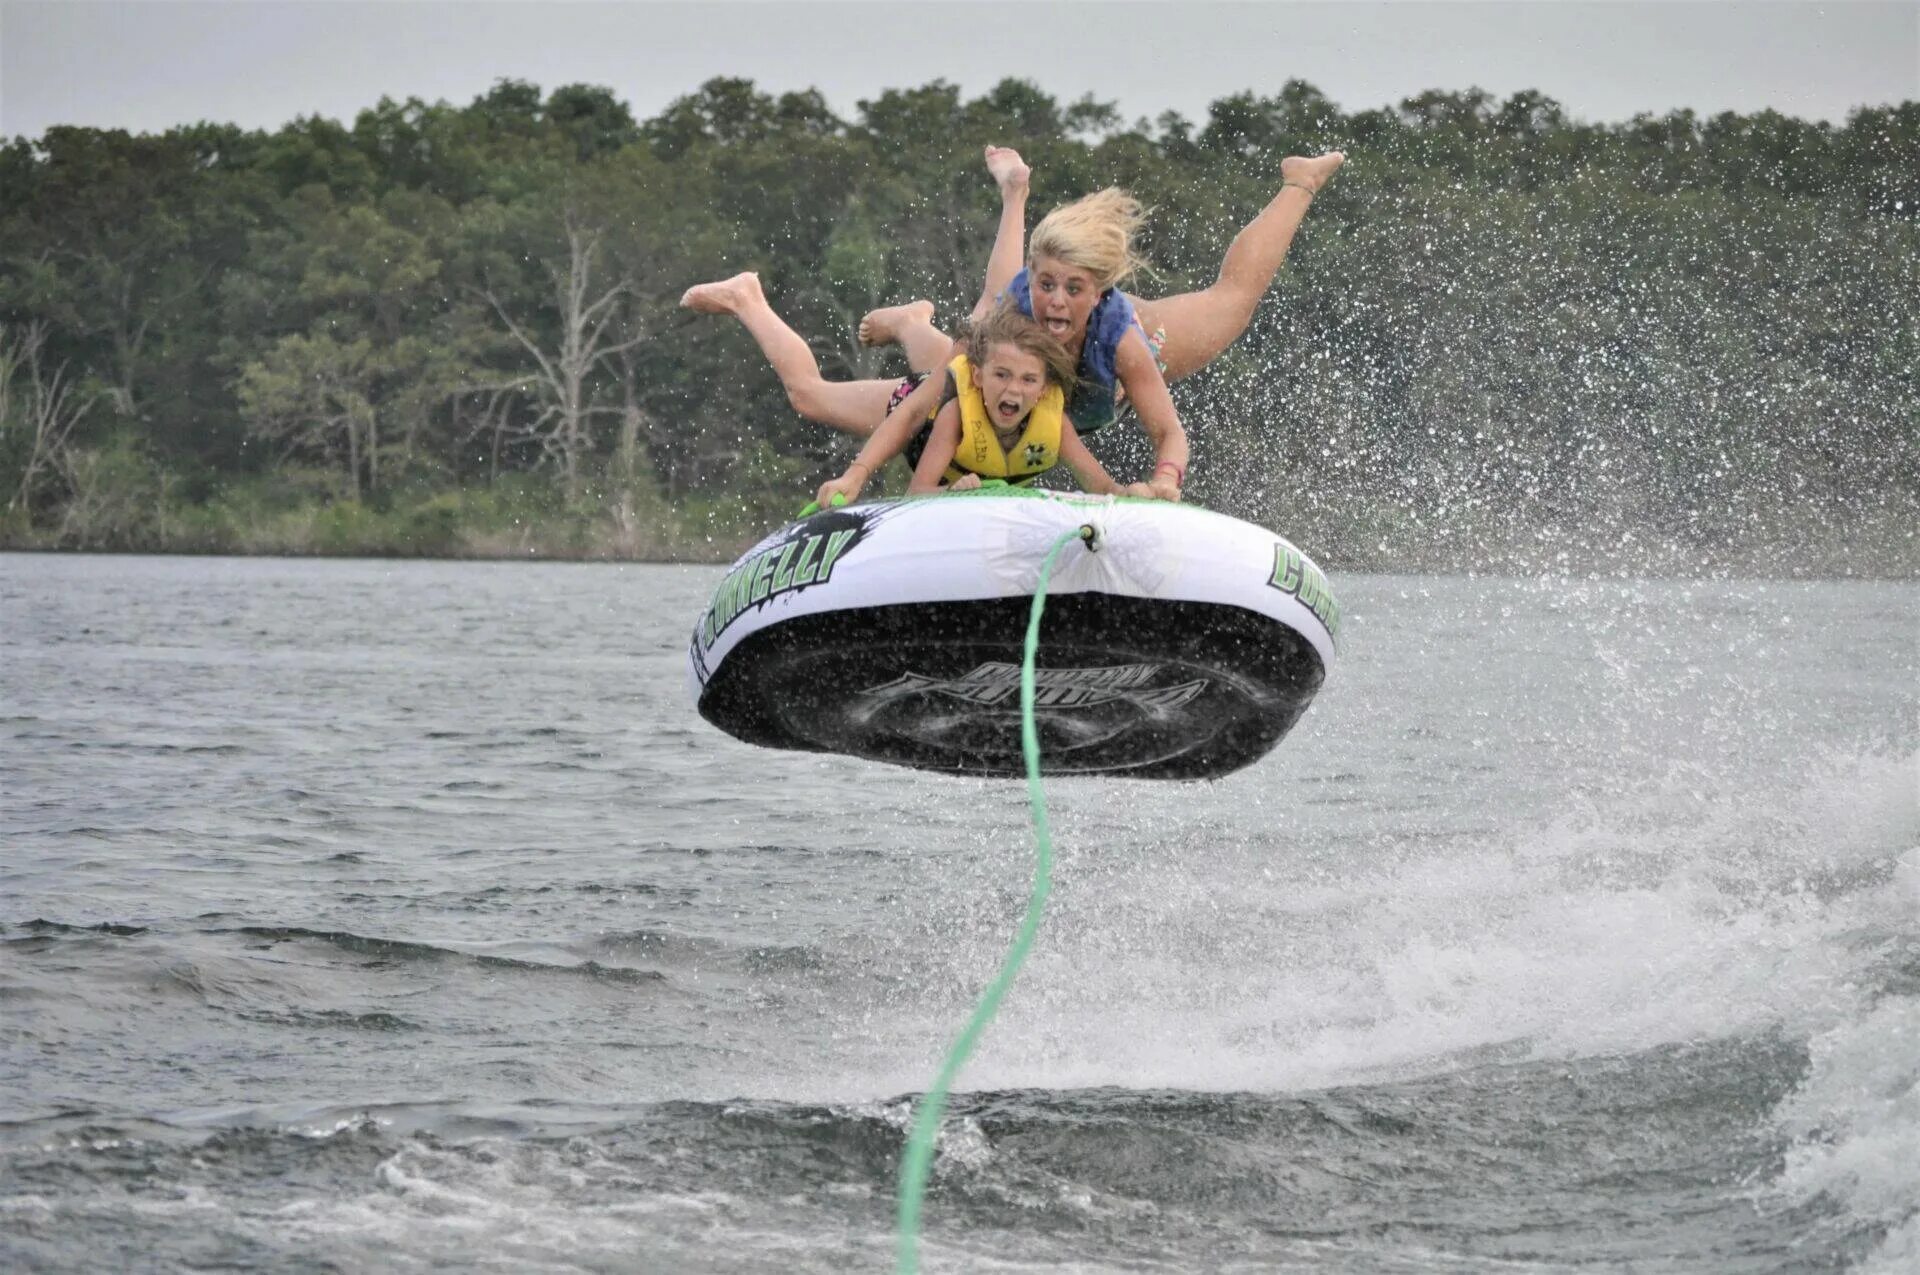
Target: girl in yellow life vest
{"x":1003,"y":413}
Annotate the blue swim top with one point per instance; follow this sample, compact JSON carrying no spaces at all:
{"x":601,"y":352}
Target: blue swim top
{"x":1092,"y":405}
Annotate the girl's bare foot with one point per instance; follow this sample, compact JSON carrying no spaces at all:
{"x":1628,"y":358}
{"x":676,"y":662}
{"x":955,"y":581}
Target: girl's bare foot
{"x":883,"y":326}
{"x":1312,"y":172}
{"x":1009,"y":171}
{"x":728,"y":296}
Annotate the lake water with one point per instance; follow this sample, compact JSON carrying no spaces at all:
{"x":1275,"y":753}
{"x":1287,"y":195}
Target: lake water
{"x":366,"y":915}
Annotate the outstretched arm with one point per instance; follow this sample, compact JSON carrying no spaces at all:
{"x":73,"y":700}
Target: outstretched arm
{"x":939,"y":453}
{"x":886,"y":442}
{"x":1147,"y":391}
{"x":1011,"y":174}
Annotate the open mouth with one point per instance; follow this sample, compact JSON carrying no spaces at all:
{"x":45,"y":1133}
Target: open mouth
{"x":1008,"y":409}
{"x":1059,"y":327}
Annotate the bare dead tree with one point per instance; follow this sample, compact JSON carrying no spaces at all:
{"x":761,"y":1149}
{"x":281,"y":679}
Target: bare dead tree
{"x":39,"y":407}
{"x":589,"y":309}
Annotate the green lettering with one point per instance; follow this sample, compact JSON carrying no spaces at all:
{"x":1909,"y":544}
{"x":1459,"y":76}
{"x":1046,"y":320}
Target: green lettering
{"x":737,"y":585}
{"x":836,"y":545}
{"x":782,"y":577}
{"x":763,"y":576}
{"x":1286,"y":568}
{"x":803,"y":570}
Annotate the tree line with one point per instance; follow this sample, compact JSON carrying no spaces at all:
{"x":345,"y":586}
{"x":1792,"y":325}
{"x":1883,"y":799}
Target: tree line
{"x":1505,"y":338}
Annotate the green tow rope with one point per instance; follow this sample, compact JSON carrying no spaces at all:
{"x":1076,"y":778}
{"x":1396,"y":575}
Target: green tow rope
{"x":926,"y":1125}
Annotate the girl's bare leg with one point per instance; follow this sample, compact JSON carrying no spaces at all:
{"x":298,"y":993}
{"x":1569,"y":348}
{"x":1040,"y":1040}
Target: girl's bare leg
{"x":1012,"y":176}
{"x":911,"y":327}
{"x":1199,"y":325}
{"x":927,"y":347}
{"x":857,"y":407}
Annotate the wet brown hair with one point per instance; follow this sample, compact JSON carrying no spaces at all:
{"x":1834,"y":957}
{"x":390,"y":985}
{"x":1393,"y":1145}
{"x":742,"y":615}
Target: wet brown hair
{"x":1006,"y":325}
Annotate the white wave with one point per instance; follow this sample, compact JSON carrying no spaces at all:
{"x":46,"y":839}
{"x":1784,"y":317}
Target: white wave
{"x":1613,"y":929}
{"x":1855,"y":1120}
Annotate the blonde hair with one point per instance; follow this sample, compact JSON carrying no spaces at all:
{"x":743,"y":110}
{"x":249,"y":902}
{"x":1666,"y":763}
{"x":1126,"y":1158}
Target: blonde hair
{"x":1006,"y":325}
{"x":1094,"y":233}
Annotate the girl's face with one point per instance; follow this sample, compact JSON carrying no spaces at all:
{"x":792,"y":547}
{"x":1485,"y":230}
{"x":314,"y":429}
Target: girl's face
{"x":1011,"y":381}
{"x":1063,"y":298}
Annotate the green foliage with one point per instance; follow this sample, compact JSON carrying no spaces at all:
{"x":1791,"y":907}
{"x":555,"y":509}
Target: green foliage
{"x":1505,"y":337}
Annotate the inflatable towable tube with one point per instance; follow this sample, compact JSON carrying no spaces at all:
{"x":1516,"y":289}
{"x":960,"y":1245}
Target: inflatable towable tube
{"x":1177,"y":644}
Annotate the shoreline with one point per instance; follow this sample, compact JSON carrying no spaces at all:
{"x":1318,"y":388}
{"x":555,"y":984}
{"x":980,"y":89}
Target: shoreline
{"x":1342,"y":532}
{"x":1595,"y":567}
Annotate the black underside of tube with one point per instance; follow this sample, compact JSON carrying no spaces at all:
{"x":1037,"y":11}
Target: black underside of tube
{"x":1146,"y":688}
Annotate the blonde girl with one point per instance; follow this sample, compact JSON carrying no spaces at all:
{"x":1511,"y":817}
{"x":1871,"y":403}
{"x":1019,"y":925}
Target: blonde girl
{"x":1076,"y":260}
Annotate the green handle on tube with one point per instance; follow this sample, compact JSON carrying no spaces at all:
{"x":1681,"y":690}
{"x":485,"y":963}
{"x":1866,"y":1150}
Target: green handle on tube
{"x":813,"y":506}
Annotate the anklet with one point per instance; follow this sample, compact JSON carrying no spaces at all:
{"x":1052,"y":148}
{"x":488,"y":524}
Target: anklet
{"x":1299,"y":186}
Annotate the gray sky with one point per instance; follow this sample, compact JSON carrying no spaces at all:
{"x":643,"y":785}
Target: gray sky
{"x":146,"y":65}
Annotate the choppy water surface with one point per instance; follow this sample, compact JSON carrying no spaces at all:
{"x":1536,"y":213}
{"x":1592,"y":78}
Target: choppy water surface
{"x":360,"y":915}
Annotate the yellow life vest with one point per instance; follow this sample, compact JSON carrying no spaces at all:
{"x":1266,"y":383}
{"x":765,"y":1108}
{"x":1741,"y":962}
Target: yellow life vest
{"x":1036,"y":451}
